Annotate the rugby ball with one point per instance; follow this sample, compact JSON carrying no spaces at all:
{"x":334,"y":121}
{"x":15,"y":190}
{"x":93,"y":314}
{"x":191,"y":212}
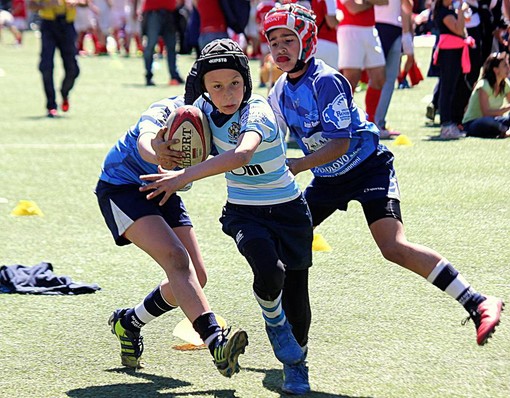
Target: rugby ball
{"x":190,"y":126}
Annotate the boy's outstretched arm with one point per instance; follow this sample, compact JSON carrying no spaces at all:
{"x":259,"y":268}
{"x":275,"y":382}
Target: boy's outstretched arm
{"x":333,"y":149}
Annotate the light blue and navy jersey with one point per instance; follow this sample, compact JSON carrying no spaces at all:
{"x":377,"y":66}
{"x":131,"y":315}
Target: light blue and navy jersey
{"x":266,"y":180}
{"x":320,"y":107}
{"x":123,"y":164}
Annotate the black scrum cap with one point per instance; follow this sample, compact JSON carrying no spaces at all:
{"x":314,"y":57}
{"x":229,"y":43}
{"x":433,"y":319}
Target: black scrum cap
{"x":218,"y":54}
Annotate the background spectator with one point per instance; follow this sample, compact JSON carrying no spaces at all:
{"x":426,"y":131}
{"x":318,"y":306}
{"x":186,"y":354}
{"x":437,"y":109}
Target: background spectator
{"x":212,"y":22}
{"x":389,"y":25}
{"x":360,"y":48}
{"x":327,"y":45}
{"x":57,"y":31}
{"x":486,"y":116}
{"x":448,"y":55}
{"x":159,"y":20}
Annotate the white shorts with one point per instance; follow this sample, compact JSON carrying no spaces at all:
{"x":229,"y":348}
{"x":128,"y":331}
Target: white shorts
{"x":6,"y":18}
{"x":133,"y":25}
{"x":103,"y":19}
{"x":328,"y":52}
{"x":85,"y":19}
{"x":359,"y":47}
{"x":252,"y":29}
{"x":117,"y":19}
{"x":20,"y":23}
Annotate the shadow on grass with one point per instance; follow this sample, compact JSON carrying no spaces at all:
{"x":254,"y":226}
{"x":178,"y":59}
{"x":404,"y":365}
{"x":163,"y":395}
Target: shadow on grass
{"x":273,"y":382}
{"x":438,"y":136}
{"x":43,"y":117}
{"x":157,"y":387}
{"x":144,"y":86}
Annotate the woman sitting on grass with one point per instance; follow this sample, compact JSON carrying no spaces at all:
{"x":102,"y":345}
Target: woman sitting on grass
{"x":486,"y":114}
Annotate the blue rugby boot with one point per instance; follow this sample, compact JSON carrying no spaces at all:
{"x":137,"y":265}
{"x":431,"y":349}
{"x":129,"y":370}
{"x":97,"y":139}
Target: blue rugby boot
{"x":295,"y":379}
{"x":285,"y":346}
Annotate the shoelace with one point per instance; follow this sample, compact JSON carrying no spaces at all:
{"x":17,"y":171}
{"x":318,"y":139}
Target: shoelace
{"x":223,"y":334}
{"x":299,"y":370}
{"x":138,"y":345}
{"x":219,"y":349}
{"x":475,"y":316}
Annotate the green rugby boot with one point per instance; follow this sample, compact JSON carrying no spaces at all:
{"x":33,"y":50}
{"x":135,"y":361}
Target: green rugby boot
{"x":227,"y":350}
{"x":131,"y":343}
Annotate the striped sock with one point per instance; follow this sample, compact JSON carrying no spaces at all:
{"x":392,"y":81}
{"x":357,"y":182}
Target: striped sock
{"x":448,"y":279}
{"x":208,"y":329}
{"x":152,"y":306}
{"x":272,"y":311}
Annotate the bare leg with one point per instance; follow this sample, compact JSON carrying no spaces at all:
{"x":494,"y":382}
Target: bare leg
{"x":153,"y":235}
{"x":389,"y":235}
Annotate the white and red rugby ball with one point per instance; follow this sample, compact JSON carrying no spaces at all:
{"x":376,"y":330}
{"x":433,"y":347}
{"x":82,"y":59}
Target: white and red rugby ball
{"x":190,"y":126}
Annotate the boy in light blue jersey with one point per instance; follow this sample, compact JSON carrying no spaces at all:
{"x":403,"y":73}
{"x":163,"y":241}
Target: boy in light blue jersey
{"x":265,"y":212}
{"x":343,"y":152}
{"x":167,"y":235}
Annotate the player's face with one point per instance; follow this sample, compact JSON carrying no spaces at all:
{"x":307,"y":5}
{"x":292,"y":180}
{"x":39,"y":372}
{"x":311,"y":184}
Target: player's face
{"x":226,"y":88}
{"x":284,"y":45}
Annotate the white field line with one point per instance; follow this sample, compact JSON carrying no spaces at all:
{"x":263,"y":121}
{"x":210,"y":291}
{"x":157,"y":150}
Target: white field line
{"x":55,"y":146}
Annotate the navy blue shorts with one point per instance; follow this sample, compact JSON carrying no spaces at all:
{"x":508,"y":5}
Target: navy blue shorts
{"x":373,"y":183}
{"x":288,"y":225}
{"x":122,"y":205}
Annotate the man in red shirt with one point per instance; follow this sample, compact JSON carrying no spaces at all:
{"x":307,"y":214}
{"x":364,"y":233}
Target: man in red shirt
{"x":159,"y":20}
{"x":213,"y":24}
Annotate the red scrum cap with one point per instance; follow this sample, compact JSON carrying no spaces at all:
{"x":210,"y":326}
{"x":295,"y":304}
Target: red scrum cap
{"x":299,"y":20}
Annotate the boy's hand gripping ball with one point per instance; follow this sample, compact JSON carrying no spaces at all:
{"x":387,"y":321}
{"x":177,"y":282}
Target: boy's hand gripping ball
{"x":190,"y":126}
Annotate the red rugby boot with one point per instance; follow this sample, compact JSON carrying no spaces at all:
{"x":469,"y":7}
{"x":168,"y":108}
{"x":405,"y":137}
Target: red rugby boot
{"x":486,"y":318}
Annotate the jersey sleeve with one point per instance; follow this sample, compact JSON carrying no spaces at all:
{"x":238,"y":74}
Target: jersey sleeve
{"x":272,"y":99}
{"x":258,"y":116}
{"x":334,"y":100}
{"x":156,"y":116}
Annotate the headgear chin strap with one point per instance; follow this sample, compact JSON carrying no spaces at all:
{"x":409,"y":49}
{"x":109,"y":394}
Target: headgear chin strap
{"x":300,"y":64}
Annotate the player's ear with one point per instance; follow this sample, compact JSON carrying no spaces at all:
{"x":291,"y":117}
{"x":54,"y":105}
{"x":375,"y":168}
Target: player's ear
{"x":193,"y":87}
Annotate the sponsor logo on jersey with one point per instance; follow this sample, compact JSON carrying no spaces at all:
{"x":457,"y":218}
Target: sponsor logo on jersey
{"x":249,"y":169}
{"x":233,"y":132}
{"x":311,"y":120}
{"x":314,"y":142}
{"x":337,"y":112}
{"x":340,"y":166}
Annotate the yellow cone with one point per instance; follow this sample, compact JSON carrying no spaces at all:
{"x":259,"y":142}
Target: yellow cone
{"x":184,"y":330}
{"x":402,"y":140}
{"x":27,"y":208}
{"x":319,"y":244}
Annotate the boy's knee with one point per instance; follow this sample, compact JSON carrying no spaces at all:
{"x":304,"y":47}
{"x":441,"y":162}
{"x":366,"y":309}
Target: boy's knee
{"x":268,"y":270}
